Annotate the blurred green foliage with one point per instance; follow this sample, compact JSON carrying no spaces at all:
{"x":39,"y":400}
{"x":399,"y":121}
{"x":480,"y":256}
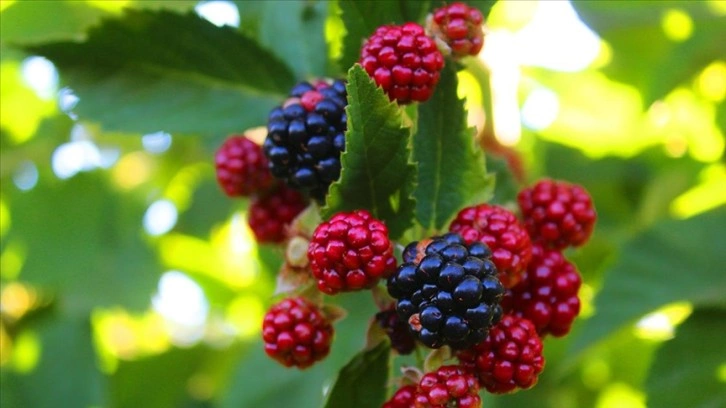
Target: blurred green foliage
{"x":82,"y":256}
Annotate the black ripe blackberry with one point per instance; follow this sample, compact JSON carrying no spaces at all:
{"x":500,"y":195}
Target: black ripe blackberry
{"x":448,"y":292}
{"x":306,"y":135}
{"x":397,"y":330}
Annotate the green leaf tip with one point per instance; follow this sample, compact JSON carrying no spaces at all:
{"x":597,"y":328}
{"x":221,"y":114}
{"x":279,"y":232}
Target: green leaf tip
{"x":377,"y":174}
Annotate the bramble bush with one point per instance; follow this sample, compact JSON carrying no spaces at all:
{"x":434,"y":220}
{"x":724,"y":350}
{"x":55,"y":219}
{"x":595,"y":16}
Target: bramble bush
{"x":334,"y":203}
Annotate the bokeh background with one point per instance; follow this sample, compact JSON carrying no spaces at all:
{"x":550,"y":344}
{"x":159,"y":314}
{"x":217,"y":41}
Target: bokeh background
{"x":128,"y":279}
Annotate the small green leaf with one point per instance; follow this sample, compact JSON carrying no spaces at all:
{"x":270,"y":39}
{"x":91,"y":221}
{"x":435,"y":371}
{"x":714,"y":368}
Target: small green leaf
{"x":376,"y":173}
{"x":362,"y":382}
{"x":152,"y":70}
{"x":450,"y":169}
{"x":674,"y":261}
{"x":688,"y":369}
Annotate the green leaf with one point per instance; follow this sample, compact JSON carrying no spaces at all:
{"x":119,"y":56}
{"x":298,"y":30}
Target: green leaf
{"x":296,"y":34}
{"x":688,"y":369}
{"x":84,"y":244}
{"x":639,"y":42}
{"x":362,"y":382}
{"x":450,"y":169}
{"x":674,"y":261}
{"x":66,"y":370}
{"x":376,"y":173}
{"x":163,"y":380}
{"x":42,"y":21}
{"x":152,"y":70}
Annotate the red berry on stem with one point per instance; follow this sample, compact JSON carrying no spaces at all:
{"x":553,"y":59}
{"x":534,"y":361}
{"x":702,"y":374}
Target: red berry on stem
{"x":449,"y":386}
{"x":242,"y":167}
{"x":547,"y":294}
{"x":404,"y":61}
{"x":557,"y":213}
{"x":509,"y":358}
{"x":269,"y":215}
{"x":459,"y":27}
{"x":500,"y":230}
{"x":403,"y":398}
{"x":296,"y":333}
{"x":349,"y":252}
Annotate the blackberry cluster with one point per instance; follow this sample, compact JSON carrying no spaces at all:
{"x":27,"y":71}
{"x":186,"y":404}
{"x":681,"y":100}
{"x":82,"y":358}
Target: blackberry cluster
{"x":447,"y":291}
{"x":306,"y":135}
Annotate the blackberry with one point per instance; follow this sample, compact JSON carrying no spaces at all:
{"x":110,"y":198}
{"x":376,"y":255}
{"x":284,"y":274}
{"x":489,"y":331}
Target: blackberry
{"x":306,"y":135}
{"x":397,"y":330}
{"x":449,"y":293}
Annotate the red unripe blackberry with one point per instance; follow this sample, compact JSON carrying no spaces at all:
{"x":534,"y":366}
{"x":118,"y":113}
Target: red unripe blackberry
{"x":557,"y":213}
{"x":547,"y":294}
{"x":402,"y":340}
{"x":296,"y":333}
{"x":459,"y":27}
{"x":403,"y":398}
{"x":350,"y":252}
{"x":404,"y":61}
{"x":449,"y":386}
{"x":270,"y":214}
{"x":242,"y":167}
{"x":509,"y":358}
{"x":500,"y":230}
